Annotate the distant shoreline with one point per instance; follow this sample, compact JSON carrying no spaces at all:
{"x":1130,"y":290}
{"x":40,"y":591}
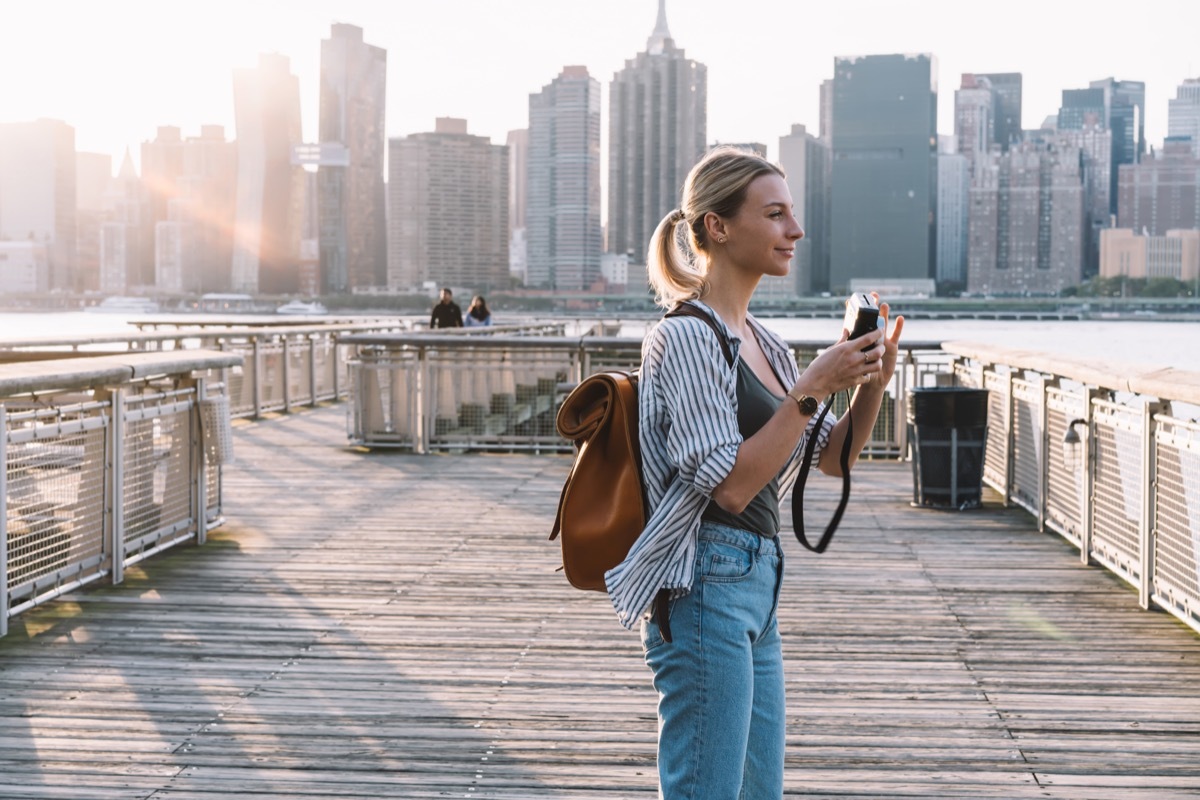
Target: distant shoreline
{"x":579,"y":307}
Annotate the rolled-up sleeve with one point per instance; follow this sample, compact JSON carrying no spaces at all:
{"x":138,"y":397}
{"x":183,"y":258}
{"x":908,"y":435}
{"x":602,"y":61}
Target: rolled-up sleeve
{"x":697,"y":389}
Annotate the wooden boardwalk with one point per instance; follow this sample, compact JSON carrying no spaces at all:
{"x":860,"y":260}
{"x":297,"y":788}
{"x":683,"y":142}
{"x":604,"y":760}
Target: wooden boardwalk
{"x":391,"y":626}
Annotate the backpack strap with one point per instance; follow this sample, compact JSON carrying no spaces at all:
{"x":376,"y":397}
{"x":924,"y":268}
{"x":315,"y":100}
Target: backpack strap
{"x":686,"y":309}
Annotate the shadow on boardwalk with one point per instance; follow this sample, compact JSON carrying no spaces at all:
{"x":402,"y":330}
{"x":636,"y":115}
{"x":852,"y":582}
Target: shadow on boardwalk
{"x":391,"y":626}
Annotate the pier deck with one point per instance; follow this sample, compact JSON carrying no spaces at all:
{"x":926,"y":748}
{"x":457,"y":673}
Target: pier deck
{"x":380,"y":625}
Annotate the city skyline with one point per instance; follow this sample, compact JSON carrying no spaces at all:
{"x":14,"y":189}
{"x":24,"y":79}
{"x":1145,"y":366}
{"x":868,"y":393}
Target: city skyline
{"x":115,"y":84}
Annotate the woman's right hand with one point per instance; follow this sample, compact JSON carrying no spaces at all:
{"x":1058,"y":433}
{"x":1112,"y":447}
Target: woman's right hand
{"x":845,"y":365}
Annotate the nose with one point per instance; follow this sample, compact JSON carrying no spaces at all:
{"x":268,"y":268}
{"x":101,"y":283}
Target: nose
{"x":796,"y":232}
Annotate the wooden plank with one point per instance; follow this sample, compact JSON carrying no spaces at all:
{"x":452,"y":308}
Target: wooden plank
{"x":372,"y":625}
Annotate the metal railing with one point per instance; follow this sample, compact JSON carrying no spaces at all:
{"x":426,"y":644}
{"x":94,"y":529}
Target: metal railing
{"x":1131,"y":500}
{"x":281,"y":367}
{"x":427,"y":392}
{"x":105,"y":461}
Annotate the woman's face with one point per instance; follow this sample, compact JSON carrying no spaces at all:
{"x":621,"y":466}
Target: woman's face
{"x":762,"y":236}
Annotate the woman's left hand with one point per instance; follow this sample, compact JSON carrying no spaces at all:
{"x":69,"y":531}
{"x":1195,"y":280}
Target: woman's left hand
{"x":891,"y":343}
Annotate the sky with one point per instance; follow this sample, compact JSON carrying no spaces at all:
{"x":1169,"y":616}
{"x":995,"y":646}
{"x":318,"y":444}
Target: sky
{"x":115,"y":70}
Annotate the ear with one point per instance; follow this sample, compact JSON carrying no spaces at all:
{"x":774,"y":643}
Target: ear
{"x":714,"y":227}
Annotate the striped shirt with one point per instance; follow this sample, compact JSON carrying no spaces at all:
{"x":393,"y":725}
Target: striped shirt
{"x":688,"y":431}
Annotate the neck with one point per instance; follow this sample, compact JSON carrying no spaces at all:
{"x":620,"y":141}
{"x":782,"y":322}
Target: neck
{"x":728,"y":294}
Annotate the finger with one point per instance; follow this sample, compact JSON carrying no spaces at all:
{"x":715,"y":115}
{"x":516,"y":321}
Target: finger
{"x":896,"y":328}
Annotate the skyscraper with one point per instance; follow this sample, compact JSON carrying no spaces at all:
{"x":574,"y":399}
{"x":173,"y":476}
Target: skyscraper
{"x":448,"y":221}
{"x":884,"y":170}
{"x":1026,"y":220}
{"x":974,"y":117}
{"x":1094,"y":143}
{"x":194,"y":244}
{"x":953,"y":187}
{"x":563,"y":237}
{"x":657,"y":132}
{"x":1006,"y":107}
{"x":270,"y":188}
{"x":1162,"y":193}
{"x":1183,"y":113}
{"x":1119,"y":106}
{"x":805,"y":159}
{"x":120,"y":235}
{"x":37,"y":193}
{"x":162,"y":165}
{"x":518,"y":187}
{"x":93,"y":179}
{"x":353,"y":236}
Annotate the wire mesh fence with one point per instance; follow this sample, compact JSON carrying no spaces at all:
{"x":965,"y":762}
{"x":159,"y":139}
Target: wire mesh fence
{"x":1120,"y":469}
{"x":54,"y":503}
{"x":95,"y":478}
{"x":1177,"y":517}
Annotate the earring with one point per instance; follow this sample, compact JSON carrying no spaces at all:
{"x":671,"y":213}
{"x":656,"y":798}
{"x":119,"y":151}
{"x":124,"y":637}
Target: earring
{"x":720,"y":240}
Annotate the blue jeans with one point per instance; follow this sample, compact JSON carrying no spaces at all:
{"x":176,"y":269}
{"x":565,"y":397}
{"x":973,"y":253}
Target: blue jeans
{"x":721,"y":712}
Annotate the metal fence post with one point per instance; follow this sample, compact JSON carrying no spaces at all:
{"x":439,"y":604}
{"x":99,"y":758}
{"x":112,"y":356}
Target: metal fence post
{"x":1146,"y":526}
{"x":1010,"y":405}
{"x":199,"y":464}
{"x":1088,"y":489}
{"x":1045,"y":385}
{"x":337,"y":366}
{"x":116,"y":473}
{"x":285,"y":374}
{"x":257,"y":377}
{"x":424,"y":401}
{"x":3,"y":521}
{"x":312,"y":369}
{"x":909,"y":364}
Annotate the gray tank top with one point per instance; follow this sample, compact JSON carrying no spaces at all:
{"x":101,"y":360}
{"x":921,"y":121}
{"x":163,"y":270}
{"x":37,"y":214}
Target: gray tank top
{"x":756,"y":405}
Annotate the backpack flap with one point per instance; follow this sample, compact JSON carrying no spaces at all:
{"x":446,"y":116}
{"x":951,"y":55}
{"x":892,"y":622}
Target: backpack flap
{"x":600,"y":511}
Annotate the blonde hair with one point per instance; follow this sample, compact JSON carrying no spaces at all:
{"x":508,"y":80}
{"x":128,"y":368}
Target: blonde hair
{"x":677,"y":265}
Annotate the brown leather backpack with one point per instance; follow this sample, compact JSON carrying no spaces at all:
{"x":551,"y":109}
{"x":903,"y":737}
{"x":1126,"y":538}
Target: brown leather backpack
{"x":602,"y":508}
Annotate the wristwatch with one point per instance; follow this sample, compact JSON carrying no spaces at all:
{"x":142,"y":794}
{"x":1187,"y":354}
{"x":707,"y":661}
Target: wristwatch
{"x":807,"y":403}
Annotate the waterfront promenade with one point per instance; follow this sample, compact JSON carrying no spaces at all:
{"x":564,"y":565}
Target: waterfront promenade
{"x":383,"y":625}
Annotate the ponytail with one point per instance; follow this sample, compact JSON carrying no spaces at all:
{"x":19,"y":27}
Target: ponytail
{"x":678,"y":262}
{"x":673,"y":275}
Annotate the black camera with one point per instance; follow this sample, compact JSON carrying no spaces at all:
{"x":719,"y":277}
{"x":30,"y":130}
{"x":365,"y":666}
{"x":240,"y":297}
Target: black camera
{"x":862,"y":315}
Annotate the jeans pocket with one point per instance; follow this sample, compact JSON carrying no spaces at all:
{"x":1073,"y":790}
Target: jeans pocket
{"x":723,"y":562}
{"x":651,"y":635}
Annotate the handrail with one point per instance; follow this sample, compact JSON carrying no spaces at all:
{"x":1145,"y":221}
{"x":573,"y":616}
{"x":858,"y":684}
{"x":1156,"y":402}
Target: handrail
{"x":30,"y":377}
{"x":1139,"y":378}
{"x":1113,"y":474}
{"x":420,"y":340}
{"x":104,"y":461}
{"x":76,"y":341}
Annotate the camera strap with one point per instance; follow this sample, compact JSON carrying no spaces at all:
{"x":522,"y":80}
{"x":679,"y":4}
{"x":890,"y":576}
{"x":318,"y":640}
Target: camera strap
{"x":802,"y":478}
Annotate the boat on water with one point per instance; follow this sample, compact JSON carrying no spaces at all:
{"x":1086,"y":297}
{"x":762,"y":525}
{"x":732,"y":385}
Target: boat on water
{"x":125,"y":305}
{"x":301,"y":307}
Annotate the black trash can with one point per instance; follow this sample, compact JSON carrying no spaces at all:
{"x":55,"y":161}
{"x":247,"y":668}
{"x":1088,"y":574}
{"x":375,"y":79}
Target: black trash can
{"x":947,"y":429}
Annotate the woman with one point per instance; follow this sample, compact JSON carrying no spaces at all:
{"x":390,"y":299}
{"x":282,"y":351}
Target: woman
{"x":478,"y":314}
{"x":720,"y":446}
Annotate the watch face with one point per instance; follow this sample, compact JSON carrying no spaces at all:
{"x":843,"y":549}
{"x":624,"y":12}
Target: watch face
{"x":808,"y":404}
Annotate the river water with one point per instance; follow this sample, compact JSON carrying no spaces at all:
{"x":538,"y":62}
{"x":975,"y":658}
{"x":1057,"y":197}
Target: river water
{"x":1144,"y":344}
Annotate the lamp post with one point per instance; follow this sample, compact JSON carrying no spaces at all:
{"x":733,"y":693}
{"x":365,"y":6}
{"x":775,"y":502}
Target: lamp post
{"x":1073,"y":463}
{"x":1072,"y":446}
